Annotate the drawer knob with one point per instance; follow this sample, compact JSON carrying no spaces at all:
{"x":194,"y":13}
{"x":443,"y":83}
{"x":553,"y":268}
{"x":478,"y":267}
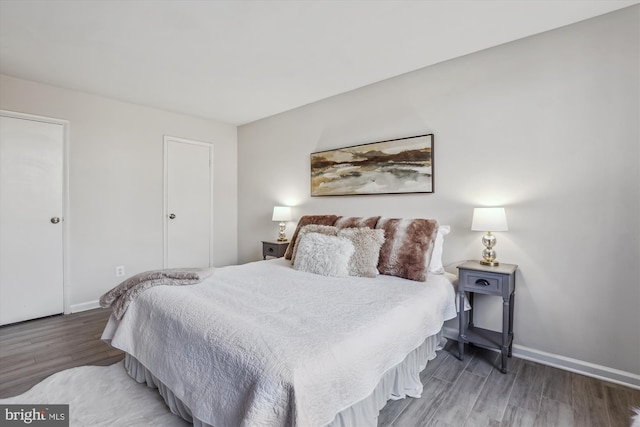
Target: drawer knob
{"x":482,"y":282}
{"x":270,"y":249}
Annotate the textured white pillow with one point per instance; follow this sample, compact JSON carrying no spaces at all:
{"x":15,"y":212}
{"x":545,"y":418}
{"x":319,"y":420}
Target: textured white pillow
{"x":435,"y":266}
{"x":311,"y":228}
{"x":367,"y":243}
{"x":325,"y":255}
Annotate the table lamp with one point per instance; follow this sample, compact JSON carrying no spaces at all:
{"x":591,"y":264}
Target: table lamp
{"x":282,"y":214}
{"x":489,"y":219}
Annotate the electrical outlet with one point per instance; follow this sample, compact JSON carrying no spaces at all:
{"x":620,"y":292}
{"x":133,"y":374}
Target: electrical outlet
{"x":120,"y":271}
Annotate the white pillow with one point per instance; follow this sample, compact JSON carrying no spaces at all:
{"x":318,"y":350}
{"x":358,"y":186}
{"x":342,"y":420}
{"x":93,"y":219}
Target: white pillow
{"x":435,"y":266}
{"x":367,"y":243}
{"x":312,"y":228}
{"x":325,"y":255}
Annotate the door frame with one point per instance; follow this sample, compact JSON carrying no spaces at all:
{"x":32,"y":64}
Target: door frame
{"x":165,"y":203}
{"x":65,"y":214}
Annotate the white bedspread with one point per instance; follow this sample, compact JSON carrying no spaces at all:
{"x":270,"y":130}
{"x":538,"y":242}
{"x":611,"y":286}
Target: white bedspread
{"x":262,"y":344}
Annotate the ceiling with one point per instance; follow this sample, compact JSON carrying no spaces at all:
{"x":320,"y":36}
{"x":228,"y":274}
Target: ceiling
{"x":239,"y":61}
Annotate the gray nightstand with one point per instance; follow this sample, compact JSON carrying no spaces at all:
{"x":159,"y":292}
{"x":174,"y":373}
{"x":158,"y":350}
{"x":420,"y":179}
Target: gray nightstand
{"x":499,"y":281}
{"x":274,"y":249}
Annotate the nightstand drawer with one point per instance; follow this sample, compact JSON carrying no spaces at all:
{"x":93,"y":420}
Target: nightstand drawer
{"x":481,"y":282}
{"x":274,"y":249}
{"x":270,"y":249}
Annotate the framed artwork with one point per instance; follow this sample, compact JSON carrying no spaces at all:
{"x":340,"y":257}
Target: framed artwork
{"x":395,"y":166}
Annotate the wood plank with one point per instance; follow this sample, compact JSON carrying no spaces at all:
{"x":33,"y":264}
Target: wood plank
{"x":392,"y":411}
{"x":516,"y":416}
{"x":50,"y":331}
{"x":434,"y":365}
{"x":554,"y":414}
{"x":452,"y":367}
{"x":589,"y":408}
{"x":483,"y":362}
{"x":26,"y":371}
{"x":480,"y":420}
{"x":421,"y":411}
{"x":619,"y":402}
{"x":20,"y":385}
{"x":527,"y":388}
{"x":558,"y":385}
{"x":492,"y":402}
{"x":14,"y":362}
{"x":438,"y":423}
{"x":457,"y":404}
{"x":394,"y":408}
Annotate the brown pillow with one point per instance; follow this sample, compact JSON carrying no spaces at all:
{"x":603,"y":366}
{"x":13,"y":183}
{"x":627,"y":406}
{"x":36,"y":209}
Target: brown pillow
{"x":408,"y":246}
{"x":306,"y":220}
{"x":357,"y":222}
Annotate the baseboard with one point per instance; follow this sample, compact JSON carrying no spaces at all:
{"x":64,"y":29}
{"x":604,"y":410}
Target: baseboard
{"x":89,"y":305}
{"x":604,"y":373}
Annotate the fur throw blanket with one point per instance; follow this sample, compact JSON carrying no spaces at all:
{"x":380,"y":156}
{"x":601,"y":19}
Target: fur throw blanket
{"x":121,"y":296}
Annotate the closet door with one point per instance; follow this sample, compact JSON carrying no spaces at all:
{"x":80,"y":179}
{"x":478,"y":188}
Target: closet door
{"x":31,"y":218}
{"x":188,"y":203}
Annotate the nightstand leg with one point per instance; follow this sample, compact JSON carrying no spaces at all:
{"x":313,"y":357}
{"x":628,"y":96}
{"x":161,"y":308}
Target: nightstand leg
{"x":506,"y":329}
{"x":461,"y":325}
{"x":511,"y":337}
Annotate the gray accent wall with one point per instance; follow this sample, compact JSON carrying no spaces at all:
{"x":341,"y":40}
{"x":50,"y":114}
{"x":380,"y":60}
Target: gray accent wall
{"x":547,"y":126}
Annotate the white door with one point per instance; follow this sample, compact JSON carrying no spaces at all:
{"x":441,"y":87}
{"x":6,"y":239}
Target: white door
{"x":188,"y":203}
{"x":31,"y":219}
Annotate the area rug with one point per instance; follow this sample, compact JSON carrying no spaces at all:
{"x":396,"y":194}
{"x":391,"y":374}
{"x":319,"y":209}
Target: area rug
{"x":101,"y":396}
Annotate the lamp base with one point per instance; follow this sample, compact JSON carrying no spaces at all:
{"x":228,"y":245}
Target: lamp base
{"x":488,"y":254}
{"x":282,"y":236}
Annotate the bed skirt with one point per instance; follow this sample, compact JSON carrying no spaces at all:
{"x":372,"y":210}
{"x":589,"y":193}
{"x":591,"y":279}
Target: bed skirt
{"x":397,"y":383}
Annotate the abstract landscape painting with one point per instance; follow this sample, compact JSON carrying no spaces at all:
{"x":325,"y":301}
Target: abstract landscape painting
{"x":387,"y":167}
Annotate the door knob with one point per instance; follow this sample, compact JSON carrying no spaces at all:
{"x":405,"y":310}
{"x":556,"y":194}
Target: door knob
{"x":172,"y":216}
{"x":55,"y":220}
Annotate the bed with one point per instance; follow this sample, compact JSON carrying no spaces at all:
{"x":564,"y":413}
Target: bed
{"x":269,"y":343}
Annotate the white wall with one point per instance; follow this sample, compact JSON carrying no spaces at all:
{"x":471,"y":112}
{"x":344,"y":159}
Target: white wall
{"x":547,"y":126}
{"x":116,"y":181}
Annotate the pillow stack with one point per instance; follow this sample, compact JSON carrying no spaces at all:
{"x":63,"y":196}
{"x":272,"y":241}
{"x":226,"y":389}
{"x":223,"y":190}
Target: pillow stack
{"x":354,"y":233}
{"x":355,"y":246}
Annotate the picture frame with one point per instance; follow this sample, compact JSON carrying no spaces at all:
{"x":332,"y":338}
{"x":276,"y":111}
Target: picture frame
{"x":395,"y":166}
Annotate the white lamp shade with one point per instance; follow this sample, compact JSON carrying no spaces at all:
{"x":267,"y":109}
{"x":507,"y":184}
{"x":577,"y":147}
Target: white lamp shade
{"x":281,"y":213}
{"x":489,"y":219}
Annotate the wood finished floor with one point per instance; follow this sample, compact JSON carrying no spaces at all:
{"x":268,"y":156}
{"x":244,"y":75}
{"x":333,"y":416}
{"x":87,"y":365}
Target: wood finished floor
{"x":31,"y":351}
{"x":457,"y":393}
{"x":474,"y":393}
